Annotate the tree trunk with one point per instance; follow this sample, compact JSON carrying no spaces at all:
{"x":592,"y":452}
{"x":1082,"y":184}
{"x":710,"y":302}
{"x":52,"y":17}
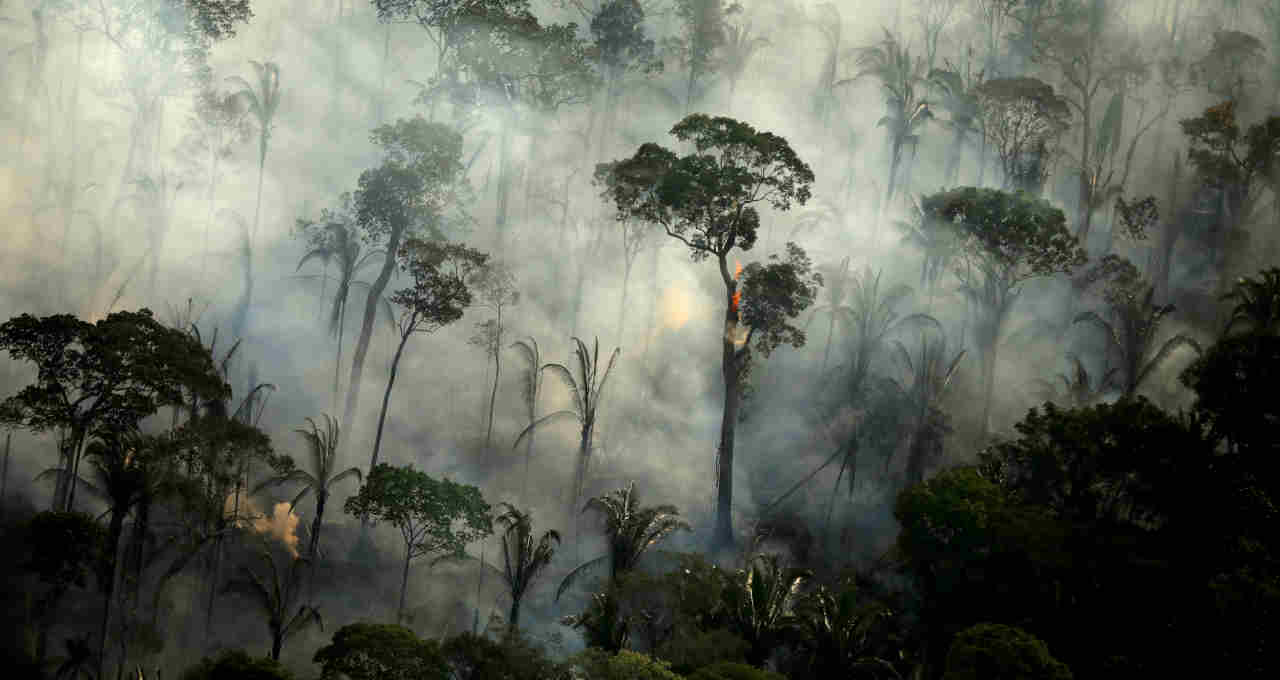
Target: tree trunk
{"x":404,"y":586}
{"x":580,"y":468}
{"x":622,"y":304}
{"x":504,"y":193}
{"x":493,"y":398}
{"x":366,"y":329}
{"x":337,"y":362}
{"x":722,"y":537}
{"x":1085,"y":209}
{"x":277,"y":641}
{"x":954,"y":155}
{"x":386,"y":398}
{"x":108,"y":575}
{"x":242,"y":316}
{"x":4,"y":471}
{"x":831,"y":329}
{"x":513,"y":622}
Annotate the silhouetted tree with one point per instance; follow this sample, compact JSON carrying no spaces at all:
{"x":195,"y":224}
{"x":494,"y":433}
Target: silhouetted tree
{"x":707,"y":201}
{"x":274,"y":594}
{"x":523,"y":559}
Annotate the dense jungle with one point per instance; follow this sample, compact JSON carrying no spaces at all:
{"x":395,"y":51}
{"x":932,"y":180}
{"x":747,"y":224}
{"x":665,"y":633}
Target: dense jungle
{"x":639,"y":339}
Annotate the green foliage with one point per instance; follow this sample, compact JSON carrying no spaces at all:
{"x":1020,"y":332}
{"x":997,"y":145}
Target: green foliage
{"x":597,"y":664}
{"x":380,"y":651}
{"x":990,"y":651}
{"x":773,"y":294}
{"x":1256,"y":303}
{"x":235,"y":664}
{"x":1014,"y":235}
{"x":689,"y":650}
{"x":438,"y":517}
{"x":523,"y":559}
{"x":274,"y":592}
{"x":65,"y":548}
{"x":476,"y":657}
{"x":1226,"y":156}
{"x":727,"y":670}
{"x":619,"y":38}
{"x":1236,"y":382}
{"x":421,"y":174}
{"x":707,"y":199}
{"x":1132,"y":335}
{"x":439,"y":273}
{"x":759,"y":604}
{"x":845,"y":633}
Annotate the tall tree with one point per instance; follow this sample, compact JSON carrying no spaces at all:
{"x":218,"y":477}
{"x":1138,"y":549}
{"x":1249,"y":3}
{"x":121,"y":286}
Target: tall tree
{"x":530,"y":388}
{"x":1022,"y":120}
{"x":263,"y":101}
{"x":334,"y":239}
{"x":901,"y":79}
{"x":708,"y":200}
{"x":435,"y":517}
{"x":1087,"y":45}
{"x":101,"y":377}
{"x":436,"y":297}
{"x":523,"y":557}
{"x":274,"y":595}
{"x":217,"y":123}
{"x":495,"y":289}
{"x":585,"y":389}
{"x":420,"y":175}
{"x":703,"y":32}
{"x":1007,"y":240}
{"x":1133,"y":334}
{"x":324,"y":474}
{"x":739,"y":47}
{"x":958,"y":96}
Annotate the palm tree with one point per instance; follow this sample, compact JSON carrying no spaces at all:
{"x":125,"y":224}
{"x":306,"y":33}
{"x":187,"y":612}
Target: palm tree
{"x":937,"y":245}
{"x":1133,"y":336}
{"x":630,"y":531}
{"x":586,"y":391}
{"x":891,"y":64}
{"x":840,"y":629}
{"x":1078,"y":388}
{"x":960,"y":99}
{"x":736,"y":53}
{"x":931,"y":374}
{"x":274,"y":596}
{"x":340,"y":244}
{"x":523,"y":559}
{"x":1257,"y":303}
{"x":759,"y":602}
{"x":531,"y":386}
{"x":873,"y":318}
{"x":324,"y":460}
{"x":831,"y":25}
{"x":263,"y":102}
{"x":836,"y":283}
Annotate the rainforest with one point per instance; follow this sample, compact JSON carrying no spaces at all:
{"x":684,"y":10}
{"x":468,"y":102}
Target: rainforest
{"x":639,"y":339}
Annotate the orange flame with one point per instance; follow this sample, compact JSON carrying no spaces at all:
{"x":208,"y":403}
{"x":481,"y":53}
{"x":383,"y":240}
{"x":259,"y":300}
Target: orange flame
{"x":737,"y":294}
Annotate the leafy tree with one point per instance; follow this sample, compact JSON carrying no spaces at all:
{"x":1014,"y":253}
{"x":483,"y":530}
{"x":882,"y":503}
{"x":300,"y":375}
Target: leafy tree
{"x":999,"y":652}
{"x":890,"y":63}
{"x":380,"y":651}
{"x":1007,"y":239}
{"x":618,"y":36}
{"x":707,"y":200}
{"x":235,"y":664}
{"x":1227,"y":70}
{"x":873,"y":319}
{"x":420,"y":175}
{"x":1235,"y":381}
{"x":435,"y":298}
{"x":599,"y":664}
{"x":64,"y":549}
{"x":760,"y":602}
{"x":586,"y":390}
{"x":1079,"y":388}
{"x":323,"y":446}
{"x":1022,"y":119}
{"x":1087,"y":44}
{"x":262,"y":102}
{"x":274,"y":595}
{"x":969,"y":548}
{"x":155,"y":200}
{"x":1235,"y":163}
{"x":333,"y":239}
{"x":523,"y":559}
{"x":703,"y":32}
{"x":435,"y":517}
{"x":101,"y":377}
{"x":495,"y":286}
{"x":733,"y":671}
{"x":476,"y":657}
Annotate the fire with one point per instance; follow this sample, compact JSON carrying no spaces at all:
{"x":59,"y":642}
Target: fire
{"x":737,"y":294}
{"x":281,"y":523}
